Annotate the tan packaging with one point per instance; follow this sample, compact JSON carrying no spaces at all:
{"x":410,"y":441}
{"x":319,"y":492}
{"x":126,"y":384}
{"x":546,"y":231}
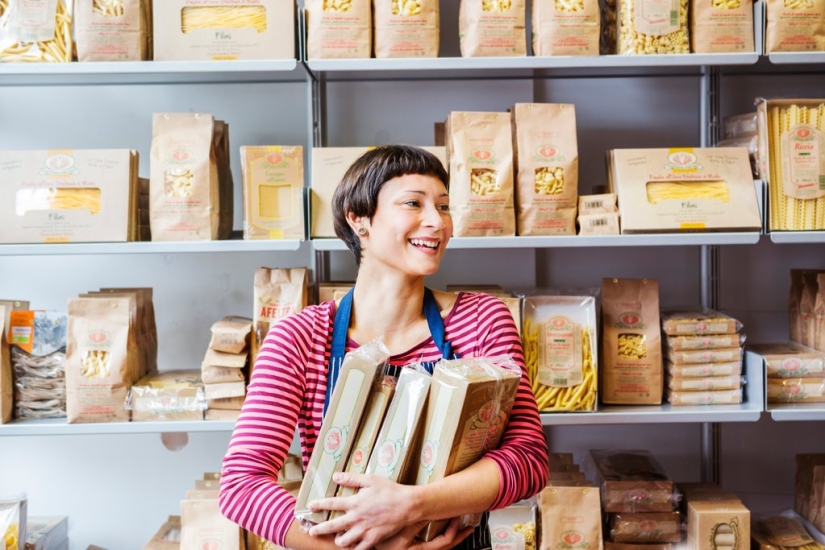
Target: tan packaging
{"x":599,"y":224}
{"x":207,"y":485}
{"x":226,"y":360}
{"x":711,"y":383}
{"x":469,"y":407}
{"x":185,"y":199}
{"x":167,"y":537}
{"x":807,"y":306}
{"x":338,"y":29}
{"x":721,"y":26}
{"x":170,"y":395}
{"x":685,"y":189}
{"x":705,"y":356}
{"x":646,"y":527}
{"x":225,"y":391}
{"x":37,"y":32}
{"x":329,"y":164}
{"x":805,"y":464}
{"x":492,"y":28}
{"x":66,"y":195}
{"x":328,"y":291}
{"x":203,"y":526}
{"x":113,"y":31}
{"x":341,"y":421}
{"x":202,"y":494}
{"x":696,"y":323}
{"x":632,"y":351}
{"x":6,"y":377}
{"x":226,"y":185}
{"x":631,"y":546}
{"x":221,"y":375}
{"x":146,"y":315}
{"x":138,"y":355}
{"x":716,"y":397}
{"x":796,"y":390}
{"x":819,"y":314}
{"x":546,"y":163}
{"x":231,"y":334}
{"x":652,"y":27}
{"x":216,"y":476}
{"x":790,"y":360}
{"x":630,"y":481}
{"x":406,"y":28}
{"x":713,"y":525}
{"x":278,"y":293}
{"x":780,"y":532}
{"x":222,"y":415}
{"x":570,"y":518}
{"x":216,"y":30}
{"x":560,"y":459}
{"x":566,"y":27}
{"x":480,"y":159}
{"x":556,"y":477}
{"x":273,"y":192}
{"x":795,"y":26}
{"x":605,"y":203}
{"x":100,"y":362}
{"x":714,"y":341}
{"x":705,"y":369}
{"x":226,"y":403}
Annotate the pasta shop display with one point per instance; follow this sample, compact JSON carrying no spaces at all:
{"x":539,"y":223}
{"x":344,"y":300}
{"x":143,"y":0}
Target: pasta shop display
{"x":273,"y":192}
{"x":113,"y":30}
{"x":795,"y":26}
{"x":565,"y":27}
{"x":560,"y":343}
{"x":547,"y":168}
{"x":33,"y":32}
{"x":792,"y":156}
{"x":218,"y":30}
{"x":795,"y":373}
{"x":68,"y":195}
{"x":492,"y":28}
{"x":652,"y":27}
{"x":406,"y":28}
{"x":480,"y":160}
{"x":338,"y":29}
{"x":721,"y":26}
{"x":684,"y":190}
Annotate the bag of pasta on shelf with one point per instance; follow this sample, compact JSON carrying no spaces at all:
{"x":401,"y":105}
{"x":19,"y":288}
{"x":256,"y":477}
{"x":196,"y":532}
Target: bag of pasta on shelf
{"x":203,"y":526}
{"x":480,"y":159}
{"x":338,"y":29}
{"x":571,"y":517}
{"x":515,"y":527}
{"x":13,"y":516}
{"x":795,"y":26}
{"x":6,"y":378}
{"x":278,"y":293}
{"x":632,"y":371}
{"x":560,"y":343}
{"x":566,"y":27}
{"x":492,"y":28}
{"x":113,"y":30}
{"x":652,"y":27}
{"x":185,"y":196}
{"x":721,"y":26}
{"x":406,"y":28}
{"x":273,"y":192}
{"x":36,"y":32}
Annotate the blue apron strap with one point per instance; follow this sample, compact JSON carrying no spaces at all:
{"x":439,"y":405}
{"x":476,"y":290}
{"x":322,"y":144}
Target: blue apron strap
{"x":436,"y":324}
{"x":340,"y":327}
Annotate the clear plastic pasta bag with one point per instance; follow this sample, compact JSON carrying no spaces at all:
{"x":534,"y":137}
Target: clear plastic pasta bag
{"x":36,"y":32}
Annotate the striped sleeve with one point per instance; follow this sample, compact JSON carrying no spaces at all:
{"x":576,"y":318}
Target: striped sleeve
{"x":522,"y":453}
{"x":250,"y":494}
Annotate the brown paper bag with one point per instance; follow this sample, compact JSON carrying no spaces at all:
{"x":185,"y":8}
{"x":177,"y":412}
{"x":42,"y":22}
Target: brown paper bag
{"x":480,"y":158}
{"x":819,"y":314}
{"x":113,"y":31}
{"x":6,"y":379}
{"x":204,"y":527}
{"x":547,"y":168}
{"x":139,"y":333}
{"x":185,"y":198}
{"x":150,"y":329}
{"x":338,"y":29}
{"x":137,"y":356}
{"x":278,"y":293}
{"x":570,"y":518}
{"x":492,"y":28}
{"x":794,"y":302}
{"x":231,"y":334}
{"x":406,"y":28}
{"x":632,"y":344}
{"x":226,"y":186}
{"x":100,"y":369}
{"x":721,"y":26}
{"x":795,"y":26}
{"x":566,"y":27}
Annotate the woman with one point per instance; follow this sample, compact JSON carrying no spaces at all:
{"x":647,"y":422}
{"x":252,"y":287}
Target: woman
{"x":392,"y":209}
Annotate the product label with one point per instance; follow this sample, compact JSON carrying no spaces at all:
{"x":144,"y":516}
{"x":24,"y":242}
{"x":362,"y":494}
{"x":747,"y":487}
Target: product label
{"x":32,"y":20}
{"x":560,"y":353}
{"x":803,"y":162}
{"x":656,"y":17}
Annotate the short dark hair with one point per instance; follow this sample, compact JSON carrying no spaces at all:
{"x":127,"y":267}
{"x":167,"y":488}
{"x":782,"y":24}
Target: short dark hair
{"x":358,"y":190}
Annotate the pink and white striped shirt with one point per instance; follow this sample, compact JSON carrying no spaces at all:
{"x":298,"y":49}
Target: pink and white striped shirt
{"x":288,"y":388}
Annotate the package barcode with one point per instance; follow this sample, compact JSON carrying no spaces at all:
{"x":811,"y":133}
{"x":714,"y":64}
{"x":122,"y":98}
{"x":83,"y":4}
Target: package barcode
{"x":559,"y":381}
{"x":674,"y":18}
{"x":592,"y":204}
{"x":598,"y":222}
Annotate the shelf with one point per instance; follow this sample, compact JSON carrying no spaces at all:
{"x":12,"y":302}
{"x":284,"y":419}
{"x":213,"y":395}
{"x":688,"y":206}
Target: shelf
{"x":798,"y":237}
{"x":662,"y":414}
{"x":235,"y":245}
{"x":676,"y":239}
{"x":797,"y":412}
{"x":151,"y":72}
{"x":784,"y":58}
{"x":59,"y":426}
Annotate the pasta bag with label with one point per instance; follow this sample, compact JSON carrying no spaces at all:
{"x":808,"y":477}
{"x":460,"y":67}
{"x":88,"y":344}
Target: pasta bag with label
{"x":795,"y":26}
{"x":36,"y":31}
{"x":648,"y":27}
{"x":566,"y":27}
{"x":406,"y":28}
{"x":13,"y":516}
{"x":278,"y":293}
{"x":113,"y":30}
{"x":492,"y":28}
{"x":338,"y":29}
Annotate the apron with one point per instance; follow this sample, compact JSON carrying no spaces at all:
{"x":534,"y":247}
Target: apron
{"x":343,"y":315}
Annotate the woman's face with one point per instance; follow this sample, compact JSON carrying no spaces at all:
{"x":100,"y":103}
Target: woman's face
{"x":411,"y":225}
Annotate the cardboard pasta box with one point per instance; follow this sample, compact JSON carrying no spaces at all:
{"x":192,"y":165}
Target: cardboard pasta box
{"x":790,"y":360}
{"x":273,"y":192}
{"x":718,"y":524}
{"x":684,"y":190}
{"x":630,"y":481}
{"x":68,"y":195}
{"x":220,"y":30}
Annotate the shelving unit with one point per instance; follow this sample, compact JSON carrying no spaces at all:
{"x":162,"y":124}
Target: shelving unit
{"x":798,"y":237}
{"x":785,"y":58}
{"x":65,"y":249}
{"x":59,"y":426}
{"x":785,"y":412}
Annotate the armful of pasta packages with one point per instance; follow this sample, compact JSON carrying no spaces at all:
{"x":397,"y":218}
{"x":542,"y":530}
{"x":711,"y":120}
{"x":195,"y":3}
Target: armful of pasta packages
{"x":684,"y":190}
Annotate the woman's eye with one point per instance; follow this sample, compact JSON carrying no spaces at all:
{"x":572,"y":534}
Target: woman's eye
{"x":444,"y":207}
{"x":412,"y":203}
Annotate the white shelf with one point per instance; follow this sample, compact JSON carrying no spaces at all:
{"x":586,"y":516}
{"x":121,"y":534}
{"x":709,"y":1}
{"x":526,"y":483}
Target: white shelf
{"x":782,"y":58}
{"x":151,"y":72}
{"x":59,"y":426}
{"x":798,"y":237}
{"x":149,"y":247}
{"x":676,"y":239}
{"x":797,"y":412}
{"x":661,"y":414}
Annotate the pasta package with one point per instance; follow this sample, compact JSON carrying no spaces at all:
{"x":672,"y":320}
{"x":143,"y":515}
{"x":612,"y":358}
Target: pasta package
{"x":714,"y":397}
{"x":273,"y":192}
{"x":807,"y":307}
{"x":113,"y":30}
{"x":514,"y":527}
{"x":231,"y":334}
{"x":684,"y":190}
{"x":33,"y":32}
{"x":547,"y":167}
{"x":652,"y":27}
{"x":705,"y":369}
{"x":406,"y":28}
{"x":216,"y":30}
{"x":226,"y":185}
{"x":630,"y":481}
{"x":795,"y":26}
{"x":819,"y":313}
{"x":794,"y":303}
{"x":721,"y":26}
{"x":710,"y":383}
{"x":13,"y":519}
{"x":100,"y":360}
{"x":566,"y":27}
{"x":796,"y":390}
{"x":790,"y":360}
{"x":598,"y":204}
{"x":728,"y":355}
{"x":6,"y":378}
{"x":570,"y":518}
{"x":791,"y":147}
{"x":139,"y":341}
{"x":632,"y":351}
{"x":782,"y":533}
{"x":185,"y":195}
{"x":645,"y":527}
{"x":68,"y":195}
{"x":168,"y":536}
{"x":698,"y":323}
{"x":278,"y":293}
{"x":480,"y":160}
{"x":718,"y":524}
{"x":338,"y":28}
{"x":712,"y":341}
{"x":167,"y":396}
{"x":560,"y":343}
{"x":599,"y":224}
{"x":492,"y":28}
{"x":203,"y":526}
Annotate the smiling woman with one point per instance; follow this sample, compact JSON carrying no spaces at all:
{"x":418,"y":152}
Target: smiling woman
{"x":392,"y":209}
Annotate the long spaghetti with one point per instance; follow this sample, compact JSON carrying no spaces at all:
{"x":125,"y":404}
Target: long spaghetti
{"x":681,"y":190}
{"x":223,"y":17}
{"x":56,"y":50}
{"x":58,"y":198}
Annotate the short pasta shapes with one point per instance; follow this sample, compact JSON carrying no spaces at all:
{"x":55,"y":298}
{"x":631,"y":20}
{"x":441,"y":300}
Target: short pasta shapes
{"x":95,"y":364}
{"x":632,"y":346}
{"x":337,"y":5}
{"x":179,"y":183}
{"x":569,"y":5}
{"x":549,"y":181}
{"x":406,"y":7}
{"x":528,"y":531}
{"x":634,"y":43}
{"x":726,"y":4}
{"x":108,"y":8}
{"x":497,"y":6}
{"x":799,"y":4}
{"x":12,"y":534}
{"x":484,"y":181}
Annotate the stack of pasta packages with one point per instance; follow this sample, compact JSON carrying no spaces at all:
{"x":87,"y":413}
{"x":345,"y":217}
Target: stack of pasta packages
{"x":783,"y":532}
{"x":224,"y":368}
{"x":704,"y":351}
{"x":809,"y":499}
{"x":638,"y":499}
{"x":598,"y":214}
{"x":560,"y":344}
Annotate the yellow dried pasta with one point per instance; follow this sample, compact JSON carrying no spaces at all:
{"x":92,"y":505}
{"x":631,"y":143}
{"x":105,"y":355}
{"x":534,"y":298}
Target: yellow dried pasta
{"x":549,"y":181}
{"x":12,"y":535}
{"x":726,"y":4}
{"x":799,"y":4}
{"x":95,"y":364}
{"x":497,"y":6}
{"x":658,"y":191}
{"x":337,"y":5}
{"x":528,"y":531}
{"x":179,"y":183}
{"x":632,"y":346}
{"x":633,"y":42}
{"x":570,"y":5}
{"x":108,"y":8}
{"x":55,"y":50}
{"x":62,"y":198}
{"x":223,"y":17}
{"x":406,"y":8}
{"x":484,"y":181}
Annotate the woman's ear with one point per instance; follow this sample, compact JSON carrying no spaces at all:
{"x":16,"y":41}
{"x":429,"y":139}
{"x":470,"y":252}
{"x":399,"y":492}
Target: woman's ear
{"x":359,"y":224}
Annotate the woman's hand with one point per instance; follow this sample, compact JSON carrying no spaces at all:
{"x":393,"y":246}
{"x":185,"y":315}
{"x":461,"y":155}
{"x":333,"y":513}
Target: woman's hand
{"x":380,"y":510}
{"x":404,"y":539}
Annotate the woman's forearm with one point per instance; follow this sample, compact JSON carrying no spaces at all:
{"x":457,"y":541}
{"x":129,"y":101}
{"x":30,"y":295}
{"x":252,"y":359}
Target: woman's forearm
{"x":298,"y":539}
{"x":470,"y":491}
